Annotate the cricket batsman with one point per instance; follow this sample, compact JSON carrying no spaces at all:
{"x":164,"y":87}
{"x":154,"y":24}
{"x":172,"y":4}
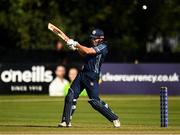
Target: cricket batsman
{"x":88,"y":79}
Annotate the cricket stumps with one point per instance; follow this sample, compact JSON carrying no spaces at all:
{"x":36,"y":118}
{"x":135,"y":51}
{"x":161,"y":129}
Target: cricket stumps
{"x":164,"y":106}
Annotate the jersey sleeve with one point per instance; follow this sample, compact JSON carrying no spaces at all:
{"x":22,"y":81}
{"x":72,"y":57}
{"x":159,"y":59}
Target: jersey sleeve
{"x":100,"y":48}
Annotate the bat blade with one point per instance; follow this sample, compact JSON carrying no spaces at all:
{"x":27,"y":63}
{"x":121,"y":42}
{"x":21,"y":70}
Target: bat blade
{"x":58,"y":32}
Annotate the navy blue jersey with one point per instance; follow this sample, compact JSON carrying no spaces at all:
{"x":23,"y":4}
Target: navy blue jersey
{"x":93,"y":62}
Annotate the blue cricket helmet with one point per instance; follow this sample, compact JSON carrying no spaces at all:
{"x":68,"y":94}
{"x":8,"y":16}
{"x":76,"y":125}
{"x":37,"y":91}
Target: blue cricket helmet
{"x":97,"y":33}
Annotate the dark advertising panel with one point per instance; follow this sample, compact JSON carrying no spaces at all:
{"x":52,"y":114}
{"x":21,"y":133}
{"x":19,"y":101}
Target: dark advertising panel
{"x":140,"y":78}
{"x":116,"y":78}
{"x":25,"y":78}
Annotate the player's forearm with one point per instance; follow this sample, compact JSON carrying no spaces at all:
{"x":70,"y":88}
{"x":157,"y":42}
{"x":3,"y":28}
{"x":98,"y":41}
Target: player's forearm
{"x":82,"y":54}
{"x":85,"y":50}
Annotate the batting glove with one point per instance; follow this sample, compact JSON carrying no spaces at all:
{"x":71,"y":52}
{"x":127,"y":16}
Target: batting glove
{"x":72,"y":42}
{"x":72,"y":47}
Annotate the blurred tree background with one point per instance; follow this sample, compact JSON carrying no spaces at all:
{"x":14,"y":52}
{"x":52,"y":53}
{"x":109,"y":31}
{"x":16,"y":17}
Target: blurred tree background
{"x":23,"y":23}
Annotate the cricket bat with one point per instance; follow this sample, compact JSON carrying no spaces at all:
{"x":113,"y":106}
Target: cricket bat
{"x":58,"y":32}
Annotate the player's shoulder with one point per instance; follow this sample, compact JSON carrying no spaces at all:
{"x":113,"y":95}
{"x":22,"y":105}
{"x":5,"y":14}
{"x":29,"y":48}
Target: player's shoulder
{"x":102,"y":46}
{"x":66,"y":81}
{"x":54,"y":81}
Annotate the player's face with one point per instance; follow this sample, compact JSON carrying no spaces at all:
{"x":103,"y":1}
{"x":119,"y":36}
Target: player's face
{"x":95,"y":41}
{"x":72,"y":74}
{"x":60,"y":71}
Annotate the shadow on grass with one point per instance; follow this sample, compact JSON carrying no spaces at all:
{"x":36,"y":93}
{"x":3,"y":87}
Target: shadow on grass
{"x":44,"y":126}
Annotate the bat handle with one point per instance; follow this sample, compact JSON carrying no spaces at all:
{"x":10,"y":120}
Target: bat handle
{"x":66,"y":39}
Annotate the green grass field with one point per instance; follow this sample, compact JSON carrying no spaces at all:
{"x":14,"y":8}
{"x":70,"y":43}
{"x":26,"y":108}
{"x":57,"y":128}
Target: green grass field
{"x":40,"y":114}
